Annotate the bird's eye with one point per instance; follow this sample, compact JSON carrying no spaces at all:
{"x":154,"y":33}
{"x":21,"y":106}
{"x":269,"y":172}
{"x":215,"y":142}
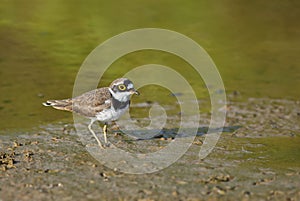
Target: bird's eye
{"x":122,"y":87}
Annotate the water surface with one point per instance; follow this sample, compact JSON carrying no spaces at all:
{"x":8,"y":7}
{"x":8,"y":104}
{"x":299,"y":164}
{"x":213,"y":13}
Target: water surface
{"x":255,"y":46}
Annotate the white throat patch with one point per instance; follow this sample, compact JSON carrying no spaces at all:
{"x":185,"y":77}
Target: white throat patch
{"x":121,"y":96}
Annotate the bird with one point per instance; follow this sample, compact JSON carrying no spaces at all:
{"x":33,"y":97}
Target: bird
{"x":104,"y":104}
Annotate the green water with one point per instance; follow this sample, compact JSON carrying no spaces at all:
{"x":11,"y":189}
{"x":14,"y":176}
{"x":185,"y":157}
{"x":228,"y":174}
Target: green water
{"x":254,"y":44}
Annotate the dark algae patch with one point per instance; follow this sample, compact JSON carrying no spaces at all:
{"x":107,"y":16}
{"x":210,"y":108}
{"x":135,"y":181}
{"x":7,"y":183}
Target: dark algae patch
{"x":280,"y":152}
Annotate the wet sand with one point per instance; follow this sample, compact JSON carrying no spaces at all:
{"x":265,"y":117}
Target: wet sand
{"x":256,"y":158}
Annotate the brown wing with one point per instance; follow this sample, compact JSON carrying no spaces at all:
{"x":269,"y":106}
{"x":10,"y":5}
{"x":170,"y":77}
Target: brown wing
{"x":92,"y":102}
{"x":87,"y":104}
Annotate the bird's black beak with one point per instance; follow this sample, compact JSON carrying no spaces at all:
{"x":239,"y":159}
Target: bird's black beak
{"x":133,"y":91}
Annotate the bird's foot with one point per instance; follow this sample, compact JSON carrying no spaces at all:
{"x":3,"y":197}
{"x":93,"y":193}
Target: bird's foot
{"x":107,"y":144}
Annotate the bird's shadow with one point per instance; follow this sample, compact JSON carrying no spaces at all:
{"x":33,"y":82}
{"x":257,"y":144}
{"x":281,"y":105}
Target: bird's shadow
{"x":173,"y":133}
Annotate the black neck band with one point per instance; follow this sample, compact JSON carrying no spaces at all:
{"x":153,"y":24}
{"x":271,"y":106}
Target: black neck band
{"x":119,"y":104}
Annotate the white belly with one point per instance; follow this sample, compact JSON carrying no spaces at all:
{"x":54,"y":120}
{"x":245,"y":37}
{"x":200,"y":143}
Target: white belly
{"x":110,"y":114}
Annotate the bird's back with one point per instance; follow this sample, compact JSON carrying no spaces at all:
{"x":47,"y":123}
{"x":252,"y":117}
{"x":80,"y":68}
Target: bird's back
{"x":87,"y":104}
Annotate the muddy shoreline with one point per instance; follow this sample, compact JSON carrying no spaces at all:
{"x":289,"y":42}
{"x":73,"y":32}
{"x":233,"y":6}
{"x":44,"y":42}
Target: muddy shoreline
{"x":256,"y":160}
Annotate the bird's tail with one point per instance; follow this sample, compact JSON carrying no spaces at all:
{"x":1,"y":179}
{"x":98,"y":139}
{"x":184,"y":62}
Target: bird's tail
{"x":65,"y":104}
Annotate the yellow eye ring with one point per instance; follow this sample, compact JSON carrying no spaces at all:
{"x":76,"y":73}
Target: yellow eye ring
{"x":122,"y":87}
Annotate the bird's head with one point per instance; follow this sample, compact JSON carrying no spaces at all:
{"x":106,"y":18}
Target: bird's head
{"x":121,"y":89}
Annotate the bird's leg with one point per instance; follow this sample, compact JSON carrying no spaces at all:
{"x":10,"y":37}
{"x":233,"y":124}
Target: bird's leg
{"x":105,"y":132}
{"x":90,"y":128}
